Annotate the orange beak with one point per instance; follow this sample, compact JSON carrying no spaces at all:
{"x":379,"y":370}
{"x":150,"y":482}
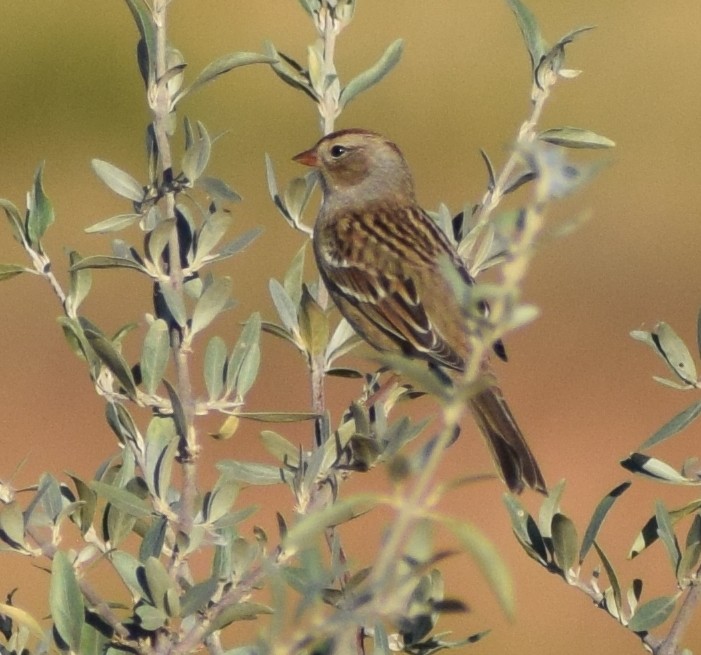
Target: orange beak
{"x":308,"y":158}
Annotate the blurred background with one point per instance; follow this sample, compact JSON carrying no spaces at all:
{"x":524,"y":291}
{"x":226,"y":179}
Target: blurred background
{"x":581,"y":387}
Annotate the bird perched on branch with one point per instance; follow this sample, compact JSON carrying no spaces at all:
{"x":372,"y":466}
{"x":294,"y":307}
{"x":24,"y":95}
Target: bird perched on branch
{"x":387,"y":266}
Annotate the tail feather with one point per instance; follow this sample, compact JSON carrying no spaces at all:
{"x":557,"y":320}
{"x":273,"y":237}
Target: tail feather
{"x":514,"y":459}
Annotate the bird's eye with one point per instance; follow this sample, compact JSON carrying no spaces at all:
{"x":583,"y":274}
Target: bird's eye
{"x":338,"y":151}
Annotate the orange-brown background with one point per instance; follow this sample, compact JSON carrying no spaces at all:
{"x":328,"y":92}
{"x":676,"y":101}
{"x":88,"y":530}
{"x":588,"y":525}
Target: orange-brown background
{"x":580,"y":386}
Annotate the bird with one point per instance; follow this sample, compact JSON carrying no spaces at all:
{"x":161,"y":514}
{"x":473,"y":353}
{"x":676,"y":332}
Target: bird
{"x":383,"y":260}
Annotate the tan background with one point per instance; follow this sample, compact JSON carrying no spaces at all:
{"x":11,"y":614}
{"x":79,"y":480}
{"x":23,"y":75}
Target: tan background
{"x":69,"y":91}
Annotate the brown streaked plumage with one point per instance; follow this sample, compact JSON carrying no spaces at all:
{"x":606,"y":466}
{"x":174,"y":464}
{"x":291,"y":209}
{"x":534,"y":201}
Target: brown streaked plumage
{"x":383,"y":261}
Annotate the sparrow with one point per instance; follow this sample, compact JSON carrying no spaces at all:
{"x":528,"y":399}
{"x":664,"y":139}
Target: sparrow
{"x":386,"y":265}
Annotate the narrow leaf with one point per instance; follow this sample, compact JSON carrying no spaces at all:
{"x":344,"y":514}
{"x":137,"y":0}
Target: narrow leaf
{"x":653,"y":613}
{"x":215,"y":367}
{"x":613,"y":579}
{"x":251,"y":473}
{"x":565,"y":542}
{"x":41,"y":212}
{"x":113,"y":360}
{"x":531,"y":32}
{"x":8,"y":271}
{"x":223,"y":65}
{"x":113,"y":224}
{"x":210,"y":304}
{"x":672,"y":427}
{"x":66,"y":601}
{"x":118,"y":180}
{"x":374,"y":74}
{"x":597,"y":519}
{"x":666,"y":534}
{"x":575,"y":137}
{"x":154,"y":355}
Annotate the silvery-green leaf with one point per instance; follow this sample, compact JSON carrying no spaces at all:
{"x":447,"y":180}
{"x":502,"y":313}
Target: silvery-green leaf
{"x":249,"y":337}
{"x":178,"y":410}
{"x":374,"y":74}
{"x":294,"y":276}
{"x":666,"y":534}
{"x":597,"y":519}
{"x":147,"y":55}
{"x":692,"y":552}
{"x":175,"y":303}
{"x":613,"y":580}
{"x":154,"y":538}
{"x":158,"y":238}
{"x":197,"y":155}
{"x":279,"y":447}
{"x":154,"y":355}
{"x":13,"y":216}
{"x":278,"y":417}
{"x":211,"y":303}
{"x":113,"y":360}
{"x":237,"y":245}
{"x":223,"y":65}
{"x":550,"y":507}
{"x":41,"y":212}
{"x":80,"y":283}
{"x":158,"y":581}
{"x":297,"y":194}
{"x":286,"y":309}
{"x":313,"y":524}
{"x":215,"y":367}
{"x":656,"y":469}
{"x":290,"y":72}
{"x":653,"y":613}
{"x":118,"y":180}
{"x":251,"y":473}
{"x":66,"y":601}
{"x":218,"y":189}
{"x":531,"y":32}
{"x":672,"y":427}
{"x":565,"y":542}
{"x":122,"y":499}
{"x":526,"y":530}
{"x":649,"y":534}
{"x":11,"y":270}
{"x":488,"y":560}
{"x":113,"y":224}
{"x":575,"y":137}
{"x":213,"y":229}
{"x":159,"y":455}
{"x":342,"y":341}
{"x":104,"y":261}
{"x":197,"y":597}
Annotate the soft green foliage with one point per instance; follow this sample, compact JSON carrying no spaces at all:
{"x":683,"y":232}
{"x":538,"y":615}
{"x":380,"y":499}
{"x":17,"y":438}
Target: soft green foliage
{"x":144,"y":511}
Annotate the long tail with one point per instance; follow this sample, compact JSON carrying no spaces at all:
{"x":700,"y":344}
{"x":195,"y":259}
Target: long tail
{"x":511,"y":454}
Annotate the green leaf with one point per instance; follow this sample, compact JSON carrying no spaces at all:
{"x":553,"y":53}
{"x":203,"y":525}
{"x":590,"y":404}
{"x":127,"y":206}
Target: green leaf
{"x":218,"y":189}
{"x":550,"y":507}
{"x":664,"y":340}
{"x":212,"y":302}
{"x":286,"y":309}
{"x":692,"y":552}
{"x":15,"y":219}
{"x":66,"y":601}
{"x":526,"y":530}
{"x":672,"y":427}
{"x":104,"y":261}
{"x":24,"y":619}
{"x":122,"y":499}
{"x":649,"y":533}
{"x":531,"y":32}
{"x":279,"y":447}
{"x":158,"y":582}
{"x":251,"y":473}
{"x":80,"y":283}
{"x":488,"y":560}
{"x":237,"y":245}
{"x":613,"y":580}
{"x":154,"y":538}
{"x":656,"y":469}
{"x":11,"y":270}
{"x":197,"y":597}
{"x":294,"y":276}
{"x":113,"y":224}
{"x":178,"y":410}
{"x":666,"y":534}
{"x":175,"y":303}
{"x":118,"y":180}
{"x":213,"y":228}
{"x":144,"y":23}
{"x":374,"y":74}
{"x":575,"y":137}
{"x":310,"y":526}
{"x":653,"y":613}
{"x":88,"y":498}
{"x":278,"y":417}
{"x":154,"y":355}
{"x":290,"y":72}
{"x":161,"y":446}
{"x":41,"y":212}
{"x":249,"y":337}
{"x":565,"y":542}
{"x":113,"y":360}
{"x":215,"y":367}
{"x":12,"y":525}
{"x":243,"y":611}
{"x":223,"y":65}
{"x":597,"y":519}
{"x":197,"y":155}
{"x":157,"y":239}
